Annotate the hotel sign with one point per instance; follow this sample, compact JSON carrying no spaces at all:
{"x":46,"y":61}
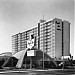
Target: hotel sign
{"x":58,"y":25}
{"x":30,"y":43}
{"x":31,"y":53}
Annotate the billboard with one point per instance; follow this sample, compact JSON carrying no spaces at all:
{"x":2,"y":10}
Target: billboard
{"x":31,"y":53}
{"x":30,"y":43}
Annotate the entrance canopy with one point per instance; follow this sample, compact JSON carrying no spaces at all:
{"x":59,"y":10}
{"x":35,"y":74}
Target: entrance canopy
{"x":39,"y":55}
{"x":22,"y":55}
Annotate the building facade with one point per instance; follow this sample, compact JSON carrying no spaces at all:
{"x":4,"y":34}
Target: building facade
{"x":52,"y":37}
{"x":19,"y":41}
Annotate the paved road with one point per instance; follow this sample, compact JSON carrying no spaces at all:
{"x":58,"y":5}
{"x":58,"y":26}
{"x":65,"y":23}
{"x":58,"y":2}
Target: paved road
{"x":40,"y":72}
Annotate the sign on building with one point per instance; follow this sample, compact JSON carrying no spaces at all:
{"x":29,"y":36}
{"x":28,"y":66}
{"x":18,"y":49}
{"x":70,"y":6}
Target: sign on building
{"x":30,"y":43}
{"x":58,"y":25}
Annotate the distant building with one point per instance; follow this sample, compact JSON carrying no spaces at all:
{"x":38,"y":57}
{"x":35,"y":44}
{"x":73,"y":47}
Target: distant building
{"x":6,"y":54}
{"x":52,"y":36}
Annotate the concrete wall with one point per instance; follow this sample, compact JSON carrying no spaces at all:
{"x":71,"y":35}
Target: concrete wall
{"x":66,"y":38}
{"x":58,"y":38}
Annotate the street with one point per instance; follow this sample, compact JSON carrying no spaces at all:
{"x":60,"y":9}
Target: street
{"x":41,"y":72}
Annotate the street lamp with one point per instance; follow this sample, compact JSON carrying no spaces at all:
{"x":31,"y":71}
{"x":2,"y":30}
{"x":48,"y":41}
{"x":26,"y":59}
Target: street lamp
{"x":62,"y":46}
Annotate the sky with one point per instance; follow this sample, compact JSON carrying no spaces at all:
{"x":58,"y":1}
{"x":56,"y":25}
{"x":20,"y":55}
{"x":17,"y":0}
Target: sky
{"x":20,"y":15}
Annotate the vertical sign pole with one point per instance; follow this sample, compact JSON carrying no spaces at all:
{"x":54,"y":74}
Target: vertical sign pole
{"x":30,"y":62}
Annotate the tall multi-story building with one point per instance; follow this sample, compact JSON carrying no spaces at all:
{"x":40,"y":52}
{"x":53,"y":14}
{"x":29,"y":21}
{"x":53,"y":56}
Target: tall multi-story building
{"x":53,"y":37}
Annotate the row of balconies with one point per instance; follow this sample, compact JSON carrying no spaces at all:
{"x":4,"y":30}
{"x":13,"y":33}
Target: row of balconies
{"x":49,"y":47}
{"x":24,"y":36}
{"x":34,"y":32}
{"x":46,"y":29}
{"x":46,"y":24}
{"x":47,"y":38}
{"x":47,"y":32}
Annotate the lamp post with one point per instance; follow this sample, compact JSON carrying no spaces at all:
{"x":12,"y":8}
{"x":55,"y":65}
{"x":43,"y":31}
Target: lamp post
{"x":63,"y":45}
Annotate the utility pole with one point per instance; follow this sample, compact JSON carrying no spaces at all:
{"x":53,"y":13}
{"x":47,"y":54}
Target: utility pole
{"x":43,"y":41}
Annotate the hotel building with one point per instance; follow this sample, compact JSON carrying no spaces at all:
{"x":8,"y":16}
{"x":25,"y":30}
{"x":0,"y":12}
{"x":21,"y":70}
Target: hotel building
{"x":52,"y":37}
